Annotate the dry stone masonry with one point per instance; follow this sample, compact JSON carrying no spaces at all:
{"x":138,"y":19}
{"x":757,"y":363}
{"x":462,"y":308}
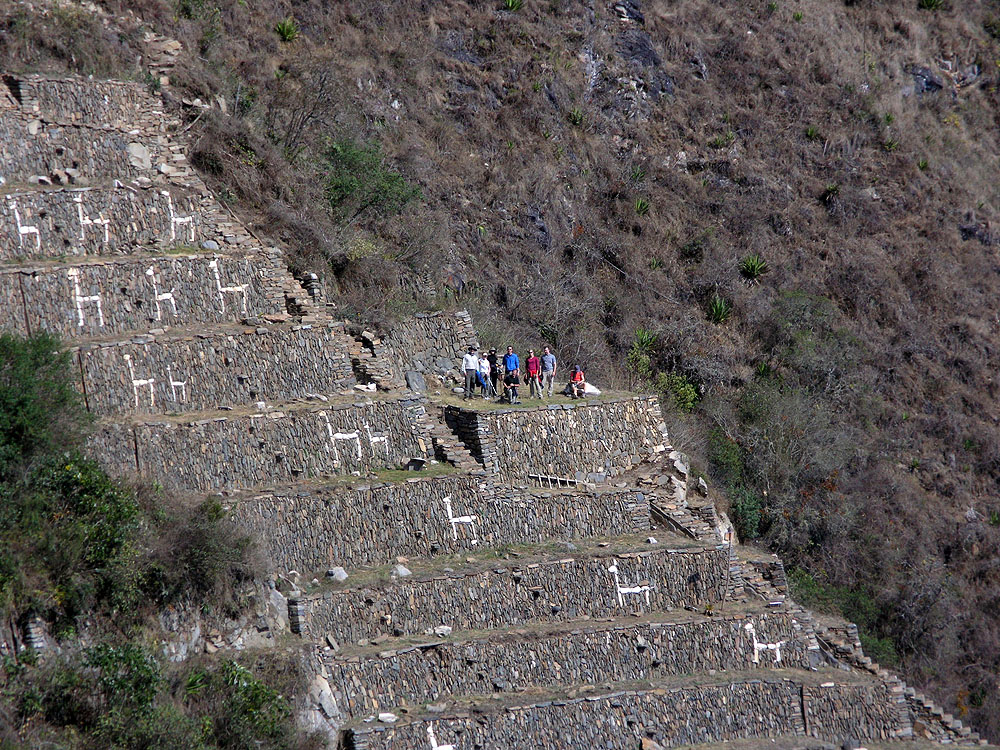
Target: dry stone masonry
{"x":556,"y":590}
{"x":122,"y":219}
{"x":211,"y":369}
{"x":580,"y":442}
{"x":250,"y":450}
{"x":303,"y":528}
{"x":553,"y":585}
{"x":687,"y":715}
{"x":111,"y":297}
{"x":427,"y":672}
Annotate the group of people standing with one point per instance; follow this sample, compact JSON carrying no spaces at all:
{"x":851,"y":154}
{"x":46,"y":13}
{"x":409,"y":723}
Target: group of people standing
{"x":501,"y":376}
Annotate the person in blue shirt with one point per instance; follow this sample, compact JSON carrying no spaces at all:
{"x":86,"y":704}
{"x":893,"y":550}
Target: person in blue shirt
{"x":511,"y":361}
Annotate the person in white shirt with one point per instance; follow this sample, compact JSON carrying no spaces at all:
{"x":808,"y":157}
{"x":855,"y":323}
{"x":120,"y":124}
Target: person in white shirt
{"x":484,"y":371}
{"x":470,"y":364}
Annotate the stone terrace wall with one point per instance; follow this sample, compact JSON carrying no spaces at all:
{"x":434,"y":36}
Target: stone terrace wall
{"x":429,"y":343}
{"x":550,"y":591}
{"x":509,"y":663}
{"x":619,"y":721}
{"x":866,"y":711}
{"x":121,"y":105}
{"x":260,"y":449}
{"x":99,"y":221}
{"x":575,"y":441}
{"x":119,"y":296}
{"x":204,"y":371}
{"x":306,"y":528}
{"x":32,"y":148}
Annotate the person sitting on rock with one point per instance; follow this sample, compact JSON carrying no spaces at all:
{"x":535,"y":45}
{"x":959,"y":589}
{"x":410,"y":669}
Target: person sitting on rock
{"x":577,"y":383}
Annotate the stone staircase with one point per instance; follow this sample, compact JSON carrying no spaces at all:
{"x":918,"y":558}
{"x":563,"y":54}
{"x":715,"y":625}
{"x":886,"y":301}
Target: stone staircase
{"x":545,"y":581}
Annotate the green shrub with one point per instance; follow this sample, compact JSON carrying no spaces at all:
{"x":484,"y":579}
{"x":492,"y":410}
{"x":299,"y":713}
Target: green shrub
{"x":797,"y":16}
{"x":287,"y":30}
{"x":41,"y":413}
{"x":641,"y":206}
{"x":930,"y":4}
{"x":726,"y":457}
{"x":746,"y":512}
{"x":890,"y":145}
{"x":678,"y":389}
{"x":719,"y":309}
{"x":857,"y":604}
{"x":638,"y":174}
{"x":753,"y":266}
{"x":812,"y":133}
{"x":922,"y":165}
{"x":575,"y":116}
{"x":358,"y":181}
{"x":513,"y":5}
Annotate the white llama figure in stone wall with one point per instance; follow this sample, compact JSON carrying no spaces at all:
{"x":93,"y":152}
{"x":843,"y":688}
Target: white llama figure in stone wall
{"x":758,"y":646}
{"x":80,"y":300}
{"x":174,"y":386}
{"x":138,"y":383}
{"x":456,"y":520}
{"x":623,"y":591}
{"x":223,"y":290}
{"x":158,"y":296}
{"x":374,"y":440}
{"x":335,"y":436}
{"x":176,"y":220}
{"x":22,"y":229}
{"x":86,"y":221}
{"x":433,"y":740}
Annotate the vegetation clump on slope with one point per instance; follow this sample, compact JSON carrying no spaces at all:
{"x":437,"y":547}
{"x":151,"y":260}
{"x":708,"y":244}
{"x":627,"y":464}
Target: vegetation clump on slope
{"x":584,"y":176}
{"x":95,"y":560}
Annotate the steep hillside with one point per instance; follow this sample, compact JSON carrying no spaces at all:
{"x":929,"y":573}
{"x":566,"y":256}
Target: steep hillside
{"x":599,"y":176}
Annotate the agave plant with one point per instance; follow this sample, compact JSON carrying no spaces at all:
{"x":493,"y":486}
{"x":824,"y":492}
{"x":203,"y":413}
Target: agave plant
{"x":641,"y":206}
{"x":287,"y":30}
{"x":752,"y":267}
{"x":719,"y":309}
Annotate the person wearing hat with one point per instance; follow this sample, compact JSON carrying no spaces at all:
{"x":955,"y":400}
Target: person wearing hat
{"x":494,"y":369}
{"x":470,"y":364}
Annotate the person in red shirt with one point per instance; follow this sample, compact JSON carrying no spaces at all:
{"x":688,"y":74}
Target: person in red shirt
{"x":577,"y":383}
{"x":534,"y":365}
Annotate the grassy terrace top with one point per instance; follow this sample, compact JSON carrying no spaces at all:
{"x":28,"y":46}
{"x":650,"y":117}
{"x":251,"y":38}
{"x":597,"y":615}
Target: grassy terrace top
{"x":273,"y":410}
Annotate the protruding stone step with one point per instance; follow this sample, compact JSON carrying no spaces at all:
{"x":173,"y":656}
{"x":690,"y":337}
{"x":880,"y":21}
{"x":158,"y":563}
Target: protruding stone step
{"x":242,"y":449}
{"x":380,"y":678}
{"x":546,"y":590}
{"x":311,"y":527}
{"x":228,"y":366}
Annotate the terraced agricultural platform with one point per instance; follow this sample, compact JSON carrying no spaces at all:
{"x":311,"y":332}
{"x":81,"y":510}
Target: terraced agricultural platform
{"x":560,"y":591}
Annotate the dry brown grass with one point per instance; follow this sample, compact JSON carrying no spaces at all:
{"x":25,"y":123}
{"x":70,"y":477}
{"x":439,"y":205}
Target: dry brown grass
{"x":534,"y":219}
